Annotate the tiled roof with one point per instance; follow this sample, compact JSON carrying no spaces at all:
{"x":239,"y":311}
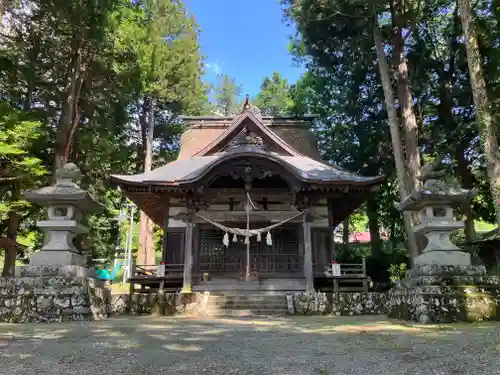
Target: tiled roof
{"x":190,"y":170}
{"x":231,"y":144}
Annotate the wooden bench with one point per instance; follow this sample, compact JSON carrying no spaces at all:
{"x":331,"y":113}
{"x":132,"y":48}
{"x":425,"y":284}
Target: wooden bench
{"x":153,"y":278}
{"x":348,"y":277}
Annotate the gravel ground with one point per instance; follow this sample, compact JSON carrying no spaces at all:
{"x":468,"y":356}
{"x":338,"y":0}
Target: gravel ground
{"x":296,"y":345}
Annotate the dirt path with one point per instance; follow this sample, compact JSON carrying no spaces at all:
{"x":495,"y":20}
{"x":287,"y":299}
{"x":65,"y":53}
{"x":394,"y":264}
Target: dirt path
{"x":298,"y":345}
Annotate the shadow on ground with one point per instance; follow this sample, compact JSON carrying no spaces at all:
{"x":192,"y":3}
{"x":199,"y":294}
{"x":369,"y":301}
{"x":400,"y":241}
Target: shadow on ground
{"x":291,"y":345}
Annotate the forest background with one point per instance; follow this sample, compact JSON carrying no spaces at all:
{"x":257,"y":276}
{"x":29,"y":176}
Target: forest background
{"x":395,"y":84}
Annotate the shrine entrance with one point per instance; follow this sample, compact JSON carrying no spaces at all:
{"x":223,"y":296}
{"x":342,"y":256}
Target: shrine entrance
{"x":281,"y":258}
{"x":248,"y":202}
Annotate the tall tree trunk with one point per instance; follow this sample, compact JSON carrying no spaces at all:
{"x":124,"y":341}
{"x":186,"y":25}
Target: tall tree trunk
{"x":484,"y":108}
{"x":13,"y":222}
{"x":408,"y":119}
{"x":467,"y":181}
{"x":70,"y":114}
{"x":399,"y":157}
{"x":374,"y":227}
{"x":146,"y":254}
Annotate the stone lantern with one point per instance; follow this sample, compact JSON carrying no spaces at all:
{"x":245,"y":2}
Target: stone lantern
{"x":443,"y":285}
{"x":435,"y":202}
{"x":66,"y":203}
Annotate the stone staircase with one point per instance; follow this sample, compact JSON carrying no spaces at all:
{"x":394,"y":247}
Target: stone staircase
{"x":246,"y":303}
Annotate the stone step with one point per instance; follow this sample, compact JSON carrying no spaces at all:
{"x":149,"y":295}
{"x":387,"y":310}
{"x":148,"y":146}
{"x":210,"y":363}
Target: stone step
{"x":224,"y":308}
{"x":246,"y":301}
{"x":247,"y":304}
{"x":247,"y":312}
{"x":256,"y":300}
{"x":249,"y":294}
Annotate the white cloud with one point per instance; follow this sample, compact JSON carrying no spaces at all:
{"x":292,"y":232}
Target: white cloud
{"x":214,"y":67}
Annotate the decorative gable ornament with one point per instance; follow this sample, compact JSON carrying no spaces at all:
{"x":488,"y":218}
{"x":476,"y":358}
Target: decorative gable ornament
{"x":246,"y":139}
{"x":251,"y":108}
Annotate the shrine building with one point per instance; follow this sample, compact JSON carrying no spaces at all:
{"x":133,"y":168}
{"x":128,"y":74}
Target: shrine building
{"x":249,"y":203}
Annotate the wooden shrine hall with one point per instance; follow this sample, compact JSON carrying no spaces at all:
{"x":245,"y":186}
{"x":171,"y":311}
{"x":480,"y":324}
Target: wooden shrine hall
{"x":248,"y":203}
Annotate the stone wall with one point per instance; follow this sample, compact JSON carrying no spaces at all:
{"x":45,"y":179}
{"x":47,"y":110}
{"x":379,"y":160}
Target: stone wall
{"x":343,"y":304}
{"x":446,"y":303}
{"x":51,"y":299}
{"x":168,"y":304}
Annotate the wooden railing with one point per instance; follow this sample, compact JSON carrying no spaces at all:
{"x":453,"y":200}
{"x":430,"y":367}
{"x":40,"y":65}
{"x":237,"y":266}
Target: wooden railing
{"x":348,"y":276}
{"x":156,"y":278}
{"x":162,"y":270}
{"x":347,"y":269}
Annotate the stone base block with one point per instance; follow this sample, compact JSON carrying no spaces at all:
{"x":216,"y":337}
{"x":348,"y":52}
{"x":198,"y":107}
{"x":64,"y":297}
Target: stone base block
{"x":340,"y":304}
{"x":59,"y":258}
{"x":166,"y":304}
{"x":54,"y":296}
{"x":446,"y":303}
{"x":54,"y":270}
{"x":446,"y":270}
{"x":444,"y":280}
{"x":444,"y":258}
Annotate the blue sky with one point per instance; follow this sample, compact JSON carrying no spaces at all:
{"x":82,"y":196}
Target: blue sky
{"x":245,"y":39}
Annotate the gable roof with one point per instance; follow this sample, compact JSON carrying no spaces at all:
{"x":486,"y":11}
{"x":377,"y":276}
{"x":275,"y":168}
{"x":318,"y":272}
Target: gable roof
{"x":246,"y":137}
{"x":305,"y":169}
{"x":247,"y":120}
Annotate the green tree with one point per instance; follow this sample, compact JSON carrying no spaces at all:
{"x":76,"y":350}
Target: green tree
{"x":168,"y":79}
{"x":106,"y":84}
{"x":275,"y":98}
{"x":19,"y":170}
{"x":227,"y":93}
{"x":483,"y":103}
{"x":332,"y":35}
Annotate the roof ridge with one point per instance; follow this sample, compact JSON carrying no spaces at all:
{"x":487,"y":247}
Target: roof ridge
{"x":234,"y":129}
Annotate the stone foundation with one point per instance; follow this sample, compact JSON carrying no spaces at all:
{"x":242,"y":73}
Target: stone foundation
{"x":446,"y":294}
{"x":446,"y":304}
{"x":52,"y":294}
{"x":340,"y":304}
{"x":168,"y":304}
{"x":52,"y":297}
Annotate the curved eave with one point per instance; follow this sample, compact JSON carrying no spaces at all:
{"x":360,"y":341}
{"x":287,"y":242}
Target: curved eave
{"x":191,"y":185}
{"x":300,"y":168}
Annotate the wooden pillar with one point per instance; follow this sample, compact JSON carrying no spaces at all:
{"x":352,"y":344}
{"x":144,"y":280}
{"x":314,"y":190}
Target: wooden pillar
{"x":162,"y":272}
{"x":188,"y":254}
{"x":331,"y":227}
{"x":165,"y":230}
{"x":308,"y":263}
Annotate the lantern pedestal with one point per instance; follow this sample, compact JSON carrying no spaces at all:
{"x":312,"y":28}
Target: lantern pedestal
{"x":443,"y":285}
{"x":56,"y":286}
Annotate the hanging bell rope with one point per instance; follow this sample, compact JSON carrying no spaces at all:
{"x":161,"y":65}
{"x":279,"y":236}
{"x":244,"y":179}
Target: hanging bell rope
{"x":247,"y":233}
{"x":251,"y":232}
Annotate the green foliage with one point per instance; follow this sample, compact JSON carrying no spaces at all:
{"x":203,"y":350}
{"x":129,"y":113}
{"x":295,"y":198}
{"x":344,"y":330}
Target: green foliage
{"x":164,"y":43}
{"x":275,"y":98}
{"x":495,"y":271}
{"x":335,"y":42}
{"x":18,"y":133}
{"x":19,"y":167}
{"x":397,"y":272}
{"x":227,"y":93}
{"x":121,"y":54}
